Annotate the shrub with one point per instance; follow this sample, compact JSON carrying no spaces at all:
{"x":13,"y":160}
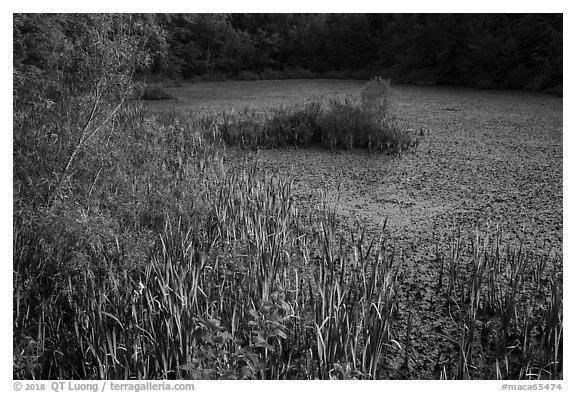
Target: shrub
{"x":366,"y":124}
{"x":376,"y":98}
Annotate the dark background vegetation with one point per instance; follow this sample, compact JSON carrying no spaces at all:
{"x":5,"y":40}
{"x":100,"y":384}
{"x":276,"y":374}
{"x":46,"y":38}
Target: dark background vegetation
{"x":521,"y":51}
{"x":483,"y":50}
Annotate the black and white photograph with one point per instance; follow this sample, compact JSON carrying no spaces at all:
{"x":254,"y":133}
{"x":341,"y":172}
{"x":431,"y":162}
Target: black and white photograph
{"x":287,"y":196}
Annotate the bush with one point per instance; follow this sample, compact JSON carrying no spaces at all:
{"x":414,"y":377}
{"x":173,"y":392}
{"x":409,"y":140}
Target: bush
{"x":247,"y":76}
{"x":367,"y":124}
{"x":376,"y":98}
{"x":63,"y":98}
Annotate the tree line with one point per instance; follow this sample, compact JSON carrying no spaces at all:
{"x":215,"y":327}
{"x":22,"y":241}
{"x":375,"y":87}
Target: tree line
{"x":483,"y":50}
{"x":522,"y":51}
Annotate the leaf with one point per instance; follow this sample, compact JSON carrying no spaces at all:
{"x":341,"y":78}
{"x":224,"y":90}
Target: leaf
{"x":225,"y":335}
{"x":280,"y":333}
{"x":265,"y":345}
{"x":339,"y":369}
{"x":113,"y":317}
{"x":396,"y":343}
{"x":254,"y":314}
{"x":245,"y":372}
{"x":258,"y":337}
{"x":188,"y":367}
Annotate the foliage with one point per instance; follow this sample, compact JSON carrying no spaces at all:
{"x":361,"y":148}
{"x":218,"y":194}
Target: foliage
{"x":179,"y":265}
{"x":505,"y":298}
{"x":71,"y":75}
{"x":499,"y":50}
{"x":174,"y":266}
{"x":274,"y":127}
{"x":346,"y":123}
{"x":486,"y":50}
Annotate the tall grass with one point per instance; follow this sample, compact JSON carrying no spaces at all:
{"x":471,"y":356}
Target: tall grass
{"x":165,"y":262}
{"x":507,"y":303}
{"x":159,"y":258}
{"x":356,"y":286}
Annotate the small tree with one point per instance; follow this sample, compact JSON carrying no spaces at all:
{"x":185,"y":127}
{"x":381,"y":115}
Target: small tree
{"x":72,"y":73}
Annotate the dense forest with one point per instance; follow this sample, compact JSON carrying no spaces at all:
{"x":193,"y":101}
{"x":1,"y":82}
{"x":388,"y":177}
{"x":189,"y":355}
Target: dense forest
{"x":482,"y":50}
{"x":522,"y":51}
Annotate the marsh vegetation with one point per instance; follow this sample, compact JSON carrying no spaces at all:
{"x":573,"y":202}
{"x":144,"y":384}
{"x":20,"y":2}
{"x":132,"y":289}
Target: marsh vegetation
{"x":314,"y":229}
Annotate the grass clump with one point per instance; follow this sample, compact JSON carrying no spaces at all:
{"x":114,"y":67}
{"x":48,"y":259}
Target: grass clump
{"x":272,"y":127}
{"x":347,"y":123}
{"x":366,"y":123}
{"x":506,"y":306}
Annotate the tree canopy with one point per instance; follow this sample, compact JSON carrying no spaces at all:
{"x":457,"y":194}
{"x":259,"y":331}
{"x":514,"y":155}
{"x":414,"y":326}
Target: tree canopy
{"x":483,"y":50}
